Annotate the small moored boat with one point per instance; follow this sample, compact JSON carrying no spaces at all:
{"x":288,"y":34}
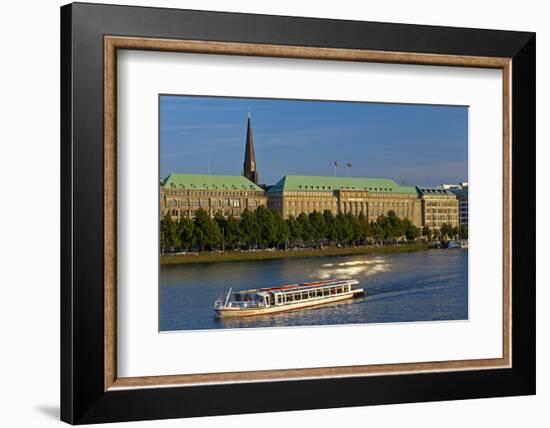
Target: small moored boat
{"x":284,"y":298}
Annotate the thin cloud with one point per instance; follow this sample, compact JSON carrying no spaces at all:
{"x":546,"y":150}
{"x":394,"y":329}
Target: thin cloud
{"x":206,"y":127}
{"x":326,"y":135}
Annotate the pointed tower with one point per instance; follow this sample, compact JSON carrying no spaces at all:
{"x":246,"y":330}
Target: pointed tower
{"x":249,"y":170}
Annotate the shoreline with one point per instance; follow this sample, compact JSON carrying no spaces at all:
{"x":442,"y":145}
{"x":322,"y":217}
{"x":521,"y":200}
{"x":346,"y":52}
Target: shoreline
{"x":237,"y":256}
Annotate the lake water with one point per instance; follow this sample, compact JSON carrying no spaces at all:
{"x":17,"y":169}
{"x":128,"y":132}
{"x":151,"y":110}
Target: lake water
{"x":419,"y":286}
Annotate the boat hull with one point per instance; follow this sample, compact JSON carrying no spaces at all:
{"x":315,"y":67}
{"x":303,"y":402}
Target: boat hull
{"x":247,"y":312}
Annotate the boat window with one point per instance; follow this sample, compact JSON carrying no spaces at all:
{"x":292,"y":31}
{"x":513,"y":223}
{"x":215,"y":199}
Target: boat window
{"x":297,"y":296}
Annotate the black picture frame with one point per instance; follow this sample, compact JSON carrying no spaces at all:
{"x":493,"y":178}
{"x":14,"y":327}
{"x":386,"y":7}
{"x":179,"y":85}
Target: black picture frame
{"x":83,"y":398}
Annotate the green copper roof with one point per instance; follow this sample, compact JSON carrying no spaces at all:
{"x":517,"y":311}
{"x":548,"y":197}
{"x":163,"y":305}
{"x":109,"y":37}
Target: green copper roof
{"x":209,"y":182}
{"x":300,"y":183}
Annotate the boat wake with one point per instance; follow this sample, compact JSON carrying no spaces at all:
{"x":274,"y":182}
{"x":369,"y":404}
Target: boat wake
{"x":423,"y":285}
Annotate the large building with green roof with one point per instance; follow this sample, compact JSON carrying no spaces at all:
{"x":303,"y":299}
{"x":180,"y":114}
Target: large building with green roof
{"x":294,"y":194}
{"x":181,"y":195}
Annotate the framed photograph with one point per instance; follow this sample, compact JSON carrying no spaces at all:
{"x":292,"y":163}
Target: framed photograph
{"x":266,"y":213}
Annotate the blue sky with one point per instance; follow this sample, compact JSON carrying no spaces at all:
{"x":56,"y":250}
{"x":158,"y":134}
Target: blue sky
{"x":412,"y":144}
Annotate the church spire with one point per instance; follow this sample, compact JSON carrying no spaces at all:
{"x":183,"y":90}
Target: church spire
{"x":249,"y":170}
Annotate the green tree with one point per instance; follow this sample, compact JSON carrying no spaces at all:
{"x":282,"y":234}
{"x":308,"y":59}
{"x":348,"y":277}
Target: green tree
{"x":249,"y":228}
{"x":378,"y":231}
{"x":186,"y":232}
{"x":232,"y":232}
{"x":343,"y":228}
{"x":446,"y":231}
{"x":383,"y":228}
{"x":355,"y":229}
{"x":307,"y":230}
{"x":169,"y":238}
{"x":282,"y":231}
{"x":295,"y":229}
{"x":318,"y":226}
{"x":411,"y":231}
{"x":455,"y":232}
{"x":221,"y":222}
{"x":331,"y":228}
{"x":266,"y":226}
{"x":427,"y":233}
{"x":207,"y":232}
{"x":366,"y":229}
{"x":394,"y":224}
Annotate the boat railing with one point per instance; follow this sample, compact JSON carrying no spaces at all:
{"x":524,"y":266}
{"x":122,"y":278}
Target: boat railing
{"x":241,"y":305}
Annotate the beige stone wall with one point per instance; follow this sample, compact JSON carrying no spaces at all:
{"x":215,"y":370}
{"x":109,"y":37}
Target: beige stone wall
{"x":294,"y":203}
{"x":371,"y":204}
{"x":374,"y":205}
{"x":184,"y":203}
{"x":440,"y":209}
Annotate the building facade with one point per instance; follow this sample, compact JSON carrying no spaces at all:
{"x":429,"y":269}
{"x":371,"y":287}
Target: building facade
{"x":439,"y":206}
{"x":182,"y":195}
{"x":462,"y":196}
{"x":373,"y":197}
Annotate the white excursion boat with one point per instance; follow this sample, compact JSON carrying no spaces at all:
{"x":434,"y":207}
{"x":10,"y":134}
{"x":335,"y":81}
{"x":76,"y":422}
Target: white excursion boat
{"x":284,"y":298}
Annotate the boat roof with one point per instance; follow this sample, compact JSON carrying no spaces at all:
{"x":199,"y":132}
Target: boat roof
{"x":303,"y":285}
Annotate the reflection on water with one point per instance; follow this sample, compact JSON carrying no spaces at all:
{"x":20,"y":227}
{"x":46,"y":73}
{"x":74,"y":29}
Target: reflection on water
{"x":419,"y":286}
{"x":351,"y":269}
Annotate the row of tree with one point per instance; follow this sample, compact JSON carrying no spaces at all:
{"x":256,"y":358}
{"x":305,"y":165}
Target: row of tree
{"x":265,"y":228}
